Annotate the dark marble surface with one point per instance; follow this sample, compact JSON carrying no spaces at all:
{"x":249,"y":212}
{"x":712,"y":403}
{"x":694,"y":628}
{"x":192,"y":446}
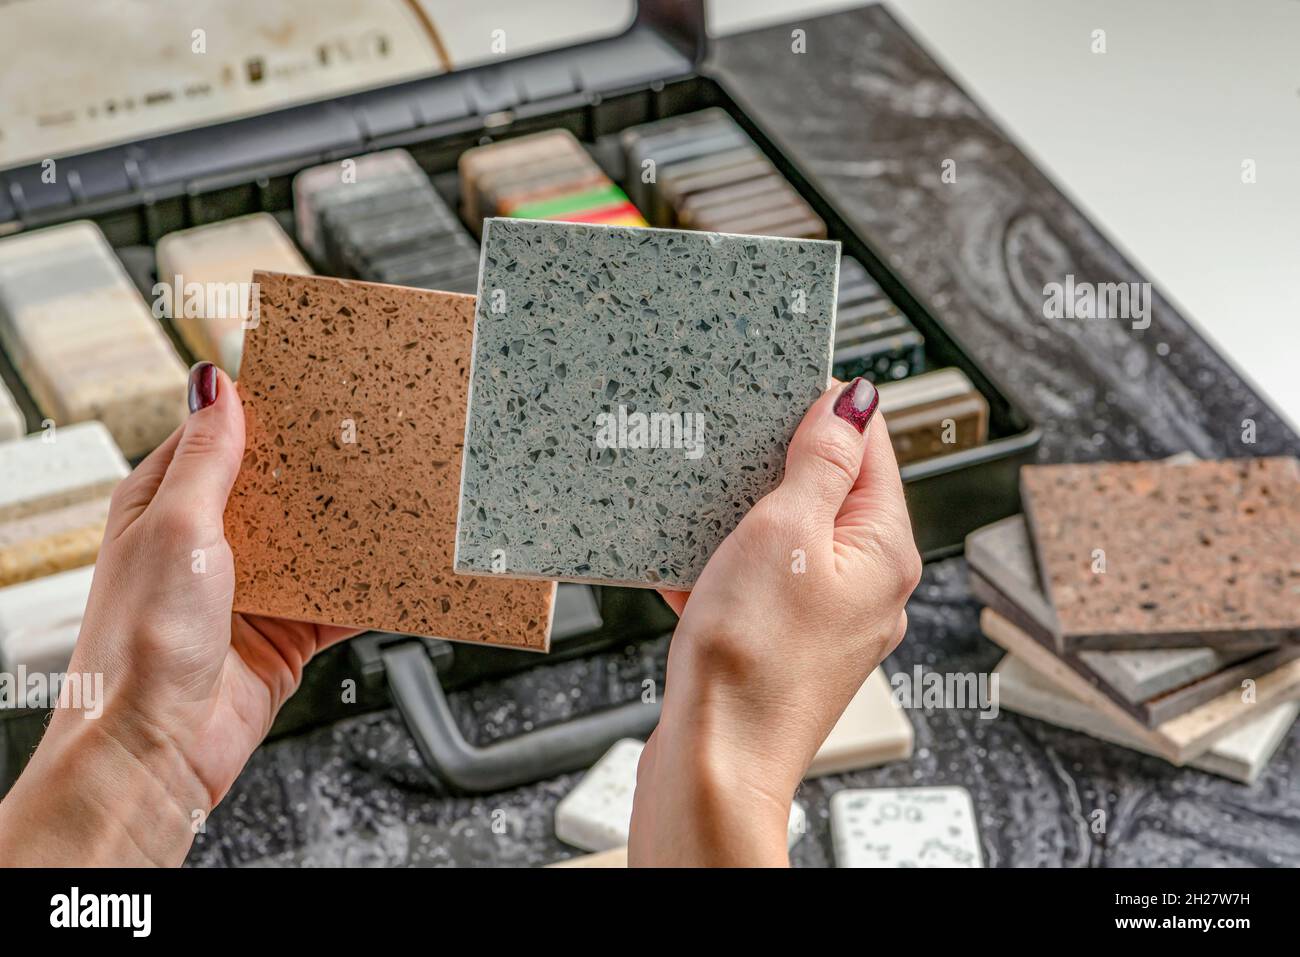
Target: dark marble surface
{"x":872,"y":118}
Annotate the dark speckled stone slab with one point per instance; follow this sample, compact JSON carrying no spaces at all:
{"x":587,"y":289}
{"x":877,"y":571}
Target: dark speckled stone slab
{"x":632,"y":394}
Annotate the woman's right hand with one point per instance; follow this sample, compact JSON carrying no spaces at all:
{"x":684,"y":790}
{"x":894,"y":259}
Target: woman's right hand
{"x":792,"y":613}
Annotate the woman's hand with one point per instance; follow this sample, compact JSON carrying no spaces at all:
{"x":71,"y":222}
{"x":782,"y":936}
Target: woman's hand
{"x":792,"y":613}
{"x":190,"y":690}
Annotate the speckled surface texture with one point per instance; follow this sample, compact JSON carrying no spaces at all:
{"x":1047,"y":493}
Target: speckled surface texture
{"x":905,"y":827}
{"x":344,"y":508}
{"x":1002,"y":555}
{"x":1196,"y":553}
{"x":867,"y":115}
{"x":581,"y":325}
{"x":1152,"y":710}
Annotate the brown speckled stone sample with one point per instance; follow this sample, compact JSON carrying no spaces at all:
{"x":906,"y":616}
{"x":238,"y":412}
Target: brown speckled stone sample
{"x":344,"y":511}
{"x":1195,"y":554}
{"x":1003,"y":576}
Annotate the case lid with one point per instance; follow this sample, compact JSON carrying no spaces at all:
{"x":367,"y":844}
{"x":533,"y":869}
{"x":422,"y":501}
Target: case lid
{"x":148,"y":99}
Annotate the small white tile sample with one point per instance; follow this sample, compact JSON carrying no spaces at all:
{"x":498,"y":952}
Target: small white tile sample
{"x":49,"y":470}
{"x":597,"y":814}
{"x":905,"y":827}
{"x":40,"y":619}
{"x":872,"y":730}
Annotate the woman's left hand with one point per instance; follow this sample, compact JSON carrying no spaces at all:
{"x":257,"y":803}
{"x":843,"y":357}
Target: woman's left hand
{"x":190,"y":689}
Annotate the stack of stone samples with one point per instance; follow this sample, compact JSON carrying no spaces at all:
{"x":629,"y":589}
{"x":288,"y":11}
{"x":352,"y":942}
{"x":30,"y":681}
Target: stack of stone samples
{"x":1152,"y":604}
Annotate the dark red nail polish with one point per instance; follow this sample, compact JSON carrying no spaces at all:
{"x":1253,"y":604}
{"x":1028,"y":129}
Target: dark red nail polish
{"x":857,"y":403}
{"x":203,"y":385}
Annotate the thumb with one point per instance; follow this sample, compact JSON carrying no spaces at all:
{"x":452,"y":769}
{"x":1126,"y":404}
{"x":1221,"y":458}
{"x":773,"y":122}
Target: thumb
{"x":210,"y":449}
{"x":825,"y":455}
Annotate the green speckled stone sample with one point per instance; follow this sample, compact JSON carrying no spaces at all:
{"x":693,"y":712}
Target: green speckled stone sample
{"x":632,"y":394}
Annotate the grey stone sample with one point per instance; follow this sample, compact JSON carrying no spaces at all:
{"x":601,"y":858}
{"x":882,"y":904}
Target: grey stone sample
{"x":1003,"y":554}
{"x":582,"y":334}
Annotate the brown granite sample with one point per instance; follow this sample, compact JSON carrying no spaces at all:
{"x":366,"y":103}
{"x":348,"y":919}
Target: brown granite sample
{"x":1195,"y":554}
{"x":344,"y":511}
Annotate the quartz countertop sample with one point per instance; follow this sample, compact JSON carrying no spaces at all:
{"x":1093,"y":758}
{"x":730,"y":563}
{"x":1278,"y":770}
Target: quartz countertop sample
{"x":632,"y":395}
{"x":1146,"y":554}
{"x":343,"y":509}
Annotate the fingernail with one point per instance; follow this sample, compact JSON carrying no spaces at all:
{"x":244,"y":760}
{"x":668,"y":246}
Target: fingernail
{"x":203,"y":385}
{"x":857,"y":403}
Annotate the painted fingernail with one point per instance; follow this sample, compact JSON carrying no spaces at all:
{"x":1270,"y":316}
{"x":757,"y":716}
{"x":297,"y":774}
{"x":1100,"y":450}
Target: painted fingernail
{"x":203,"y":385}
{"x":857,"y":403}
